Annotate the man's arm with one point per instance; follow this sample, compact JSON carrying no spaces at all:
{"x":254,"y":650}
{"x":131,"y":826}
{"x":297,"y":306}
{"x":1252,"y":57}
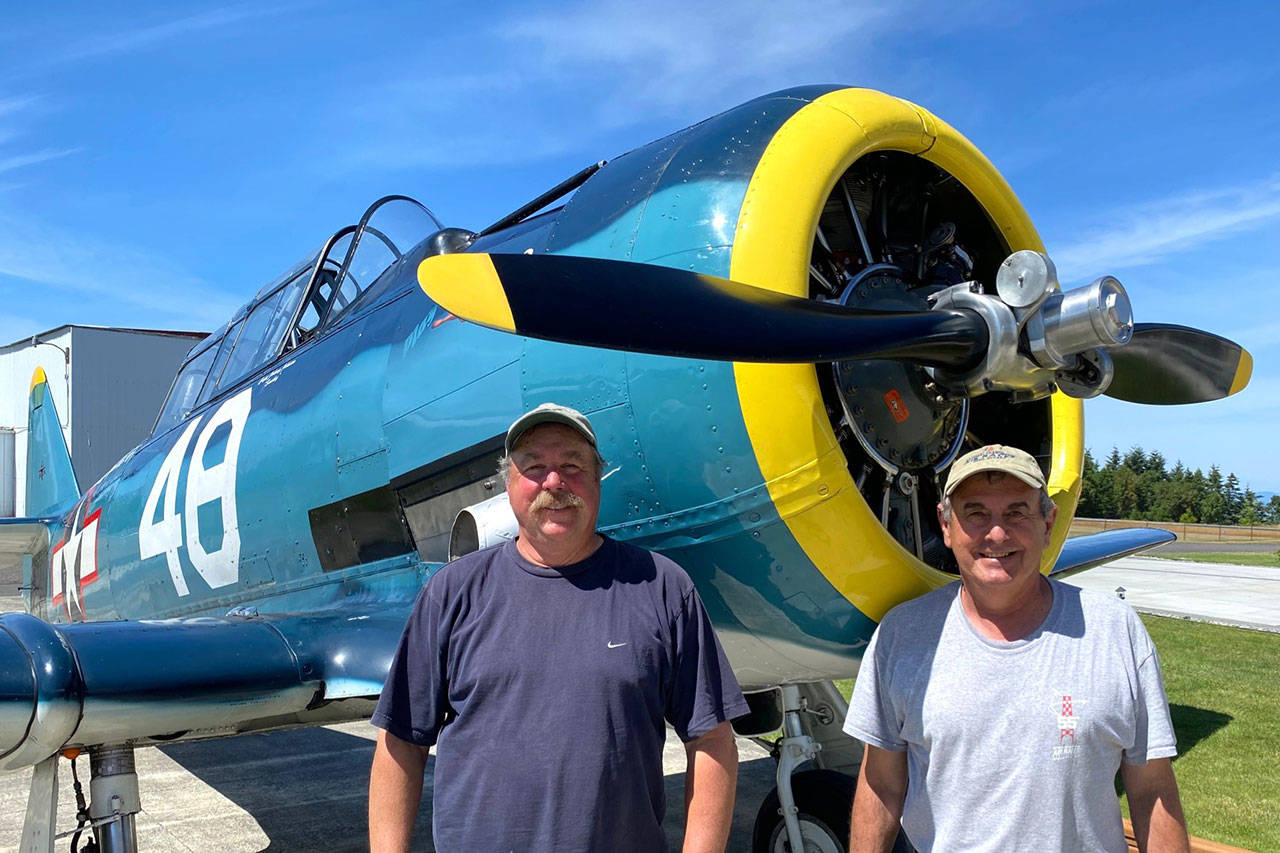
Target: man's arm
{"x":395,"y":787}
{"x":709,"y":785}
{"x":877,"y":803}
{"x":1154,"y":807}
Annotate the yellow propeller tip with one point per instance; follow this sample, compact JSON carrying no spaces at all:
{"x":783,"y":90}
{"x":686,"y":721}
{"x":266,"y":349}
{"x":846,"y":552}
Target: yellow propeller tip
{"x":1244,"y":370}
{"x":467,"y":286}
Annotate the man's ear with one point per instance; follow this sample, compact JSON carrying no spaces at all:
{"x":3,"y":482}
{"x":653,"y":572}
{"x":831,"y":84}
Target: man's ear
{"x":946,"y":528}
{"x":1048,"y":523}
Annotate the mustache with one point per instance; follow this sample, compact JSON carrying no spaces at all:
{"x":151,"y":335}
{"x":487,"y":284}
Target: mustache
{"x":549,"y":500}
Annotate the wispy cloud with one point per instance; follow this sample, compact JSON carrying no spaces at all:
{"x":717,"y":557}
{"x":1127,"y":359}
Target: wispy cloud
{"x":607,"y":66}
{"x":1116,"y":96}
{"x":16,"y":104}
{"x":15,"y":110}
{"x":17,"y":161}
{"x":73,"y":264}
{"x":128,"y":41}
{"x":676,"y":53}
{"x":1257,"y":338}
{"x":14,"y":328}
{"x":1148,"y":232}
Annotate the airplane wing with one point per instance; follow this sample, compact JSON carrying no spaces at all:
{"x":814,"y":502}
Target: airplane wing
{"x":144,"y":682}
{"x":1086,"y":552}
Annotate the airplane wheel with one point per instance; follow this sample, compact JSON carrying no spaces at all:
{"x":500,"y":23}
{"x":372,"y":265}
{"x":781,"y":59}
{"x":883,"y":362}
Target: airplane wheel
{"x":824,"y":798}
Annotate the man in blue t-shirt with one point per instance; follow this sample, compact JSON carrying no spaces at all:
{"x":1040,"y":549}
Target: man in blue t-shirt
{"x":544,"y":671}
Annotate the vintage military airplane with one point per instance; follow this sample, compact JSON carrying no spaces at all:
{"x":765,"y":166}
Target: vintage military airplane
{"x":785,"y":322}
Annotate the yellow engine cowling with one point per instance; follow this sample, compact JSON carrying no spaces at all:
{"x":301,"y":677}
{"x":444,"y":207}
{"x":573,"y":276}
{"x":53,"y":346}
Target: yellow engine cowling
{"x":789,"y":422}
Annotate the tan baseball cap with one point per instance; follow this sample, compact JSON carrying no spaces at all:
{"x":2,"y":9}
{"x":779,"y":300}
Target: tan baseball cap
{"x":551,"y":413}
{"x":995,"y":457}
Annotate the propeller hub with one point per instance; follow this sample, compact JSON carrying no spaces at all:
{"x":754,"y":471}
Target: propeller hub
{"x":1098,"y":315}
{"x":1040,"y":337}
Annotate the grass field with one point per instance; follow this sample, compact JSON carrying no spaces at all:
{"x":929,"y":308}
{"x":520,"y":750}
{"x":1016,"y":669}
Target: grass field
{"x":1224,"y":695}
{"x":1235,"y":558}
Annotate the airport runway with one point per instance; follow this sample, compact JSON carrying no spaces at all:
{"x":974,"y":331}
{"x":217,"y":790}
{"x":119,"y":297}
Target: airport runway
{"x":306,"y":789}
{"x":1244,"y":596}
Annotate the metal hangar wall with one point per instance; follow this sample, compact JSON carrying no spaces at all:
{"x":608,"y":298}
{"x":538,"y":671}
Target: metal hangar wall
{"x":107,"y":383}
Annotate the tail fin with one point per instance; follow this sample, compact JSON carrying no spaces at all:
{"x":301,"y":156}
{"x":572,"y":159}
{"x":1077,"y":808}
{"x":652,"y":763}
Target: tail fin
{"x":51,"y":481}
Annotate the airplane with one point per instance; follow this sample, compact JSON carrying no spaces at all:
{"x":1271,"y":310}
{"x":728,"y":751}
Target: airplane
{"x":785,"y":322}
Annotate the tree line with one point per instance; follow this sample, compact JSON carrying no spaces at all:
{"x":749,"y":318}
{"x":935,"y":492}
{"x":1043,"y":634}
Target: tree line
{"x":1140,"y":486}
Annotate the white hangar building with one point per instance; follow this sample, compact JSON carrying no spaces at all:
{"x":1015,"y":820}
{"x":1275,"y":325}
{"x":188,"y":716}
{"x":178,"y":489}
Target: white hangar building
{"x":107,"y":385}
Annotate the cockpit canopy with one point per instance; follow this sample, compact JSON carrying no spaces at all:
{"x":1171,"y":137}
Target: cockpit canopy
{"x":317,"y":294}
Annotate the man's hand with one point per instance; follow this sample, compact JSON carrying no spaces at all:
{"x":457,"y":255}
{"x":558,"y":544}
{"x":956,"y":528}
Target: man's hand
{"x":395,"y":787}
{"x":709,"y":785}
{"x":877,"y":804}
{"x":1154,"y":807}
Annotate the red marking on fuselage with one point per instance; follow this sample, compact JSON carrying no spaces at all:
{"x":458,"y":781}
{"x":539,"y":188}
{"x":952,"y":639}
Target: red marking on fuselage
{"x":64,"y":575}
{"x":446,"y":318}
{"x":92,"y":576}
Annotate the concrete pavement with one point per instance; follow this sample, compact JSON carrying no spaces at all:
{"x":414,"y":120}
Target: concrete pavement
{"x":302,"y":790}
{"x":1244,"y":596}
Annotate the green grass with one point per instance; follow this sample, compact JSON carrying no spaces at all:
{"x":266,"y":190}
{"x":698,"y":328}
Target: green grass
{"x":1238,"y":558}
{"x":1224,"y":695}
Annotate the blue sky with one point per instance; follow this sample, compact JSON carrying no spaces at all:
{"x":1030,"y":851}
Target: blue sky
{"x":160,"y":161}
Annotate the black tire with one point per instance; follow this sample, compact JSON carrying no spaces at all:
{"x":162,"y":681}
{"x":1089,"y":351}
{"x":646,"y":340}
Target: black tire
{"x":825,"y":800}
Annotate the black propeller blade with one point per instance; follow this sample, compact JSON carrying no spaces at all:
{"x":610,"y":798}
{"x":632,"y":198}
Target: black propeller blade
{"x":1167,"y":365}
{"x":654,"y":309}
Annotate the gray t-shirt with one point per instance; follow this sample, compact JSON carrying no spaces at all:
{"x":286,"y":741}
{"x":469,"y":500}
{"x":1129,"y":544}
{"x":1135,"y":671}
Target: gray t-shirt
{"x":545,"y":691}
{"x":1013,"y":746}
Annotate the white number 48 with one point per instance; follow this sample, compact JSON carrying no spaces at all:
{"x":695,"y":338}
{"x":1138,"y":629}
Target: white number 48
{"x":221,"y":565}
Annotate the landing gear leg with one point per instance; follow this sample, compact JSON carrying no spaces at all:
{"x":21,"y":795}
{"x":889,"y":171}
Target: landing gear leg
{"x":114,"y":801}
{"x":809,"y":811}
{"x":42,"y":808}
{"x":795,"y":748}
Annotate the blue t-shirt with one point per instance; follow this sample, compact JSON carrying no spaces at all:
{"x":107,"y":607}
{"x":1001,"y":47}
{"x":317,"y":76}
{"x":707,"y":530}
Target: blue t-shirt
{"x":545,"y":692}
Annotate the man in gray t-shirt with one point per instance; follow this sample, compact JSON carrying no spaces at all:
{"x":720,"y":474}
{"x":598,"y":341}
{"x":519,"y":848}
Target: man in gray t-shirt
{"x":997,"y":710}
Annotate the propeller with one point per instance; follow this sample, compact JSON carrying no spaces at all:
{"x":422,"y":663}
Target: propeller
{"x":665,"y":311}
{"x":654,"y":309}
{"x":1166,"y":365}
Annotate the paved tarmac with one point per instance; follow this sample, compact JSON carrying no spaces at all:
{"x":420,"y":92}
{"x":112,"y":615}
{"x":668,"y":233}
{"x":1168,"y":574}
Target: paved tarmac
{"x":306,"y":789}
{"x":1244,"y":596}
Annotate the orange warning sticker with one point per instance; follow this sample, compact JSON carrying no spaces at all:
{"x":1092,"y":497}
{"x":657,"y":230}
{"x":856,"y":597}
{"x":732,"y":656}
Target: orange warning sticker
{"x":897,"y":407}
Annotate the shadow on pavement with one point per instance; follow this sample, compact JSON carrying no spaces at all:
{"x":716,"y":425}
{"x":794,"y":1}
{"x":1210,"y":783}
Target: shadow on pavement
{"x":307,"y":789}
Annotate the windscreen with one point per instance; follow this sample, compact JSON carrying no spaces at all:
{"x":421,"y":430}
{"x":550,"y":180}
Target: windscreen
{"x":390,"y":227}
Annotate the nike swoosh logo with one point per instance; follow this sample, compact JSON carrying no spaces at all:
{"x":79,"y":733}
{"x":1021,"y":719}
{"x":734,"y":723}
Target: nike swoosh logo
{"x":616,"y":645}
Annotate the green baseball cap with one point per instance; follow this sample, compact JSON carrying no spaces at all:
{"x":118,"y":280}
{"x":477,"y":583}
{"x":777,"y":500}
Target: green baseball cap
{"x":551,"y":413}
